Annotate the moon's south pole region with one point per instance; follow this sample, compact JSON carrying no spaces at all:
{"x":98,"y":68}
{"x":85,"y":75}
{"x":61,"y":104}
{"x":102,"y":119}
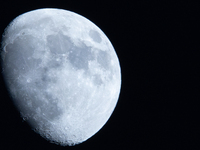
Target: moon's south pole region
{"x":62,"y":73}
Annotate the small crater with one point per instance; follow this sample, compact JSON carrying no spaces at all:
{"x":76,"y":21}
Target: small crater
{"x":28,"y":80}
{"x":55,"y":62}
{"x":23,"y":33}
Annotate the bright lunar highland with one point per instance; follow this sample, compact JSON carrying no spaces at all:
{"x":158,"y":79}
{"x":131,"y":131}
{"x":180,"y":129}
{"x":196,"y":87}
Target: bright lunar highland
{"x":62,"y":74}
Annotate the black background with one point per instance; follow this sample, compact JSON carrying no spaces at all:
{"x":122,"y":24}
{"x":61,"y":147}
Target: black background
{"x":158,"y":48}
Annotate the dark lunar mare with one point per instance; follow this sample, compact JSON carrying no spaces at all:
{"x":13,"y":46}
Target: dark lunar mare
{"x":16,"y":63}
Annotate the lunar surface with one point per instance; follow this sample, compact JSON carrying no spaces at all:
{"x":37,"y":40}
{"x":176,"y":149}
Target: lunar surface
{"x":62,"y":74}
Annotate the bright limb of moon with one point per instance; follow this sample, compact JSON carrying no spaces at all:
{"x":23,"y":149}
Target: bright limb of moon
{"x":62,"y":73}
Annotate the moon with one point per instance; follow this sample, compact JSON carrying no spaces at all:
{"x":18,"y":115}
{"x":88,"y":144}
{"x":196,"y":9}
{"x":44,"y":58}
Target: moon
{"x":62,"y":73}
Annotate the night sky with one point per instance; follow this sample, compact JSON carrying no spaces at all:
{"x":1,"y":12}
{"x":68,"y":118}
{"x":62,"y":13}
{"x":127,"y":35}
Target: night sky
{"x":158,"y":49}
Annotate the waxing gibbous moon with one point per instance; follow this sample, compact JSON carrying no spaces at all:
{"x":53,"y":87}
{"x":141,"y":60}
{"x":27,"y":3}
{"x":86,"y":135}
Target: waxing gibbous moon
{"x":62,"y":74}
